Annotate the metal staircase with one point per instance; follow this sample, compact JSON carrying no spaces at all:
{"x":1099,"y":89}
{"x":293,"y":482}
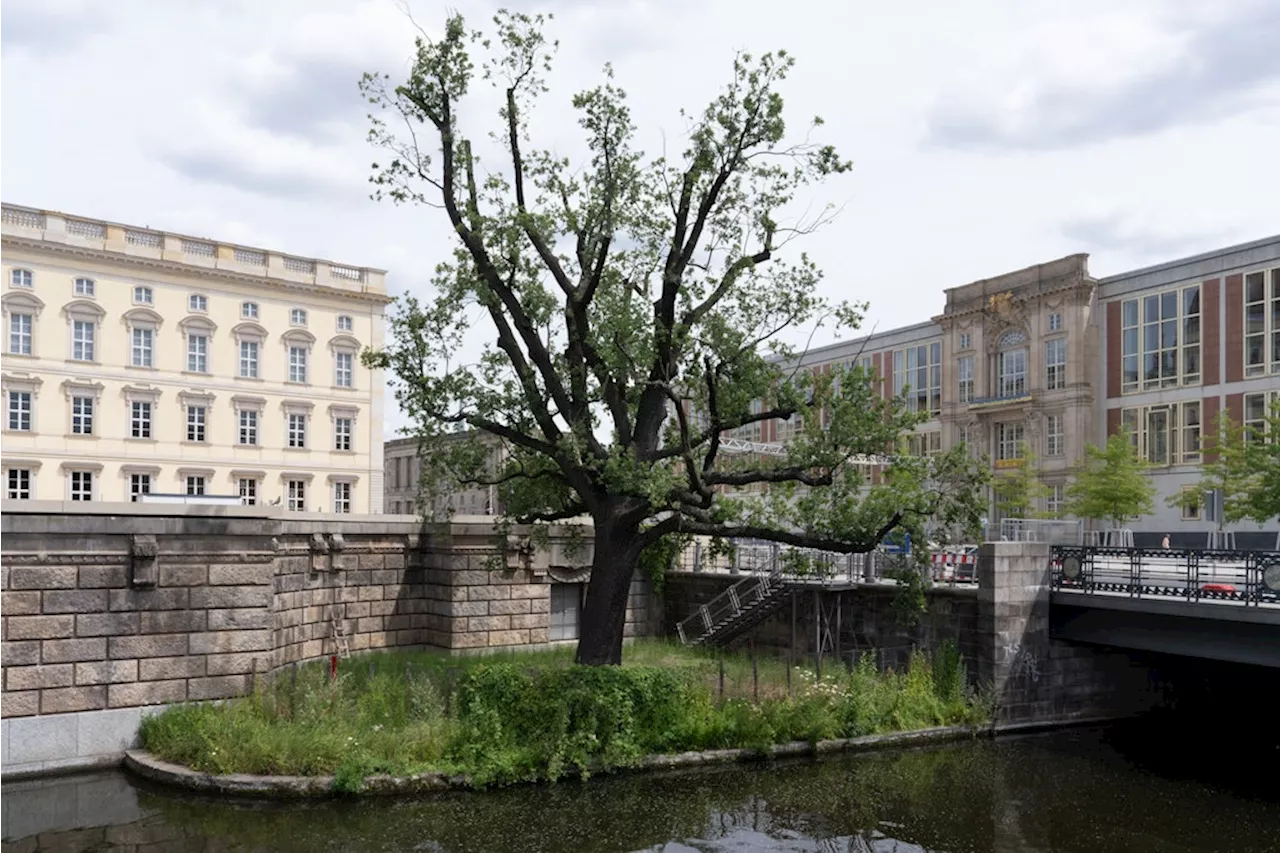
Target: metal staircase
{"x":736,"y":610}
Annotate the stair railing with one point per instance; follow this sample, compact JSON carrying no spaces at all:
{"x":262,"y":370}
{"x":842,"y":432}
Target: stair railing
{"x":729,"y":605}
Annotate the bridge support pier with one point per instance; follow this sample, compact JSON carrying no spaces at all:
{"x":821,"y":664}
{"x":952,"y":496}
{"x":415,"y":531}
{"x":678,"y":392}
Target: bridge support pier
{"x":1034,"y":678}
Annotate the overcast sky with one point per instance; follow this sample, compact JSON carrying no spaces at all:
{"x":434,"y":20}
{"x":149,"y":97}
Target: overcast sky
{"x":986,"y":135}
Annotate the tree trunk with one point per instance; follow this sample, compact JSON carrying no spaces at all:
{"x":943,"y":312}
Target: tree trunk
{"x":604,"y":614}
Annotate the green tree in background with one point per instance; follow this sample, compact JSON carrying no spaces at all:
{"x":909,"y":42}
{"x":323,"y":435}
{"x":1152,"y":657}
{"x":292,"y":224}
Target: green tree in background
{"x":1264,"y":499}
{"x":1230,"y":467}
{"x":1018,"y":491}
{"x":633,"y":307}
{"x":1112,"y":484}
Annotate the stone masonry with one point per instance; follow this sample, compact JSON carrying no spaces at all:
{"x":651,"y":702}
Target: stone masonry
{"x":108,"y":611}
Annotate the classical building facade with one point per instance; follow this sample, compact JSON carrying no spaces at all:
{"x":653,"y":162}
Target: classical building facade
{"x":402,"y":494}
{"x":138,"y":361}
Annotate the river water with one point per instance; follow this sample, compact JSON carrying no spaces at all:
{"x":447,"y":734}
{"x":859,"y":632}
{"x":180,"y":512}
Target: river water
{"x":1134,"y":787}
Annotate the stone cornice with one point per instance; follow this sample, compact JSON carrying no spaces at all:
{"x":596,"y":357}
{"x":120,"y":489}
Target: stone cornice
{"x":977,"y":304}
{"x":15,"y":241}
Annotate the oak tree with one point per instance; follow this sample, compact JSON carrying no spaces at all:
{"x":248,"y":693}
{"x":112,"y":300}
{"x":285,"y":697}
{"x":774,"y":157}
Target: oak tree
{"x":634,"y":308}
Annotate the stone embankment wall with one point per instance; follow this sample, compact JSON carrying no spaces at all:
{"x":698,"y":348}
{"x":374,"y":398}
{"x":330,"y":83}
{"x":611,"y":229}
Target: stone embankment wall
{"x":1001,"y":627}
{"x":861,"y":620}
{"x":104,"y":614}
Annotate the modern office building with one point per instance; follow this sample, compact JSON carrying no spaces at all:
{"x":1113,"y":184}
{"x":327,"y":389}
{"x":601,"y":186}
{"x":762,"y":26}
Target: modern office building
{"x":139,"y":361}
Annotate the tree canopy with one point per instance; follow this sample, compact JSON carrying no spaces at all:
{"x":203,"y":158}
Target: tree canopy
{"x":636,"y":308}
{"x":1111,"y":484}
{"x":1019,"y":490}
{"x":1230,"y":468}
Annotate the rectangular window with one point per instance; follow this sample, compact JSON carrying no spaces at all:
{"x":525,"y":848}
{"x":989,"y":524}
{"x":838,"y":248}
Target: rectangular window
{"x":964,"y":373}
{"x":297,"y":430}
{"x":1055,"y":322}
{"x":84,"y":287}
{"x":1190,"y":505}
{"x":298,"y":364}
{"x":196,"y":419}
{"x":82,"y":416}
{"x":342,"y":433}
{"x":1055,"y":364}
{"x":1256,"y":409}
{"x":1161,"y":348}
{"x":249,"y":310}
{"x":566,"y":608}
{"x":81,"y":485}
{"x":1011,"y":373}
{"x":197,"y":353}
{"x":248,"y":427}
{"x":249,"y":359}
{"x":1188,"y":437}
{"x":140,"y":419}
{"x":297,"y":495}
{"x":20,"y":411}
{"x":143,"y":296}
{"x":20,"y":278}
{"x":143,"y":348}
{"x":1055,"y":500}
{"x":1262,"y":322}
{"x":1009,"y":440}
{"x":966,"y":341}
{"x":917,"y":372}
{"x":248,"y":491}
{"x":20,"y":326}
{"x":345,"y":323}
{"x":342,"y":497}
{"x":1166,"y":433}
{"x":198,"y":303}
{"x":297,"y":317}
{"x":19,"y":484}
{"x":1053,"y":436}
{"x":924,"y":443}
{"x":342,"y":367}
{"x":139,"y":485}
{"x":195,"y":485}
{"x":82,"y":339}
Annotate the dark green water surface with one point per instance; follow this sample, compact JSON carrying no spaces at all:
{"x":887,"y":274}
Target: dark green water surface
{"x":1127,"y":788}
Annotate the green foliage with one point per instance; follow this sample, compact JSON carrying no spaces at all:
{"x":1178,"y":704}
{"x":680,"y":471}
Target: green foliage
{"x":1232,"y":466}
{"x":1112,"y":484}
{"x":1019,"y":490}
{"x":1264,"y":502}
{"x":507,"y":718}
{"x":635,"y":310}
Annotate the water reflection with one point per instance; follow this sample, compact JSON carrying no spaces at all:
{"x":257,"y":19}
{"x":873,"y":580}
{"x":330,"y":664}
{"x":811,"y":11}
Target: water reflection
{"x":1066,"y":792}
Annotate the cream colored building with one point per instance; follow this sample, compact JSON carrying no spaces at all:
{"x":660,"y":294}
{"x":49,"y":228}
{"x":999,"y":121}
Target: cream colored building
{"x":140,"y":361}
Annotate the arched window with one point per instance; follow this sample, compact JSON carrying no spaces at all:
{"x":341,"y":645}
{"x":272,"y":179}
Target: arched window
{"x":1011,"y":364}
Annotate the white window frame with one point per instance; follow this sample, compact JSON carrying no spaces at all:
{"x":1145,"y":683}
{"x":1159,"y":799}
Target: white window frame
{"x":965,"y":342}
{"x":248,"y":490}
{"x":1054,"y":435}
{"x":346,"y":323}
{"x":1165,"y":445}
{"x":84,"y":340}
{"x":140,"y":483}
{"x":298,"y":358}
{"x":81,"y":484}
{"x":342,"y":493}
{"x":1011,"y":438}
{"x":248,"y":310}
{"x":198,"y":351}
{"x":917,"y":372}
{"x":1255,"y":423}
{"x":1056,"y":499}
{"x":142,"y":420}
{"x":298,"y":317}
{"x":142,"y":345}
{"x":196,"y":484}
{"x":22,"y":333}
{"x":14,"y":487}
{"x":20,"y":403}
{"x":965,"y":379}
{"x":1055,"y":321}
{"x":197,"y":422}
{"x":1266,"y":335}
{"x":344,"y":374}
{"x":143,"y":295}
{"x":564,"y":618}
{"x":295,"y":495}
{"x":250,"y":366}
{"x":1170,"y":340}
{"x":248,"y":423}
{"x":1012,"y":365}
{"x":84,"y":287}
{"x":82,"y":414}
{"x":344,"y":431}
{"x":1055,"y":364}
{"x":21,"y":277}
{"x":1190,"y":512}
{"x":198,"y":303}
{"x":296,"y":430}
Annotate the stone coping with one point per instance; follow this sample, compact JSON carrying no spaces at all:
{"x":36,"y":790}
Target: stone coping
{"x":150,"y":767}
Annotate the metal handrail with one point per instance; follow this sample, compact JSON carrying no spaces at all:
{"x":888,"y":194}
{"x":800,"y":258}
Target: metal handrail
{"x":750,"y":591}
{"x":1249,"y":578}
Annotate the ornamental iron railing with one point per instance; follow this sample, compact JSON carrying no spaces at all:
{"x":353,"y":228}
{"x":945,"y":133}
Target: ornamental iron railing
{"x":1248,"y":578}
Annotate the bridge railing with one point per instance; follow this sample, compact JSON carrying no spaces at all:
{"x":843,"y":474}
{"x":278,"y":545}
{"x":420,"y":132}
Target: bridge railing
{"x":1248,"y":578}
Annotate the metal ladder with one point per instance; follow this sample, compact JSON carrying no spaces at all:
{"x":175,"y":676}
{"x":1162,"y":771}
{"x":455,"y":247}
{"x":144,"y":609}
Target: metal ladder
{"x":340,"y":641}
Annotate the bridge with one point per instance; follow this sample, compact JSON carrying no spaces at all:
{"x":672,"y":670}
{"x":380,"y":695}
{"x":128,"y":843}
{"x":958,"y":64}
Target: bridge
{"x":1220,"y":605}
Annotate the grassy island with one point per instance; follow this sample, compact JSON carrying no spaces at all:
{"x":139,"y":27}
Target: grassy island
{"x":498,"y":719}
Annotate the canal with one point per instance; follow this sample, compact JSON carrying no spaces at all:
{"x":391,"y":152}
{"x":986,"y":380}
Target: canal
{"x":1143,"y":786}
